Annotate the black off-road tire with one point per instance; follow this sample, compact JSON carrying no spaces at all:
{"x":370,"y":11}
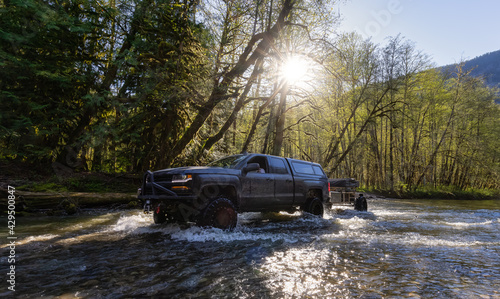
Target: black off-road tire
{"x":220,"y":213}
{"x":315,"y":207}
{"x":360,"y":204}
{"x":159,"y":215}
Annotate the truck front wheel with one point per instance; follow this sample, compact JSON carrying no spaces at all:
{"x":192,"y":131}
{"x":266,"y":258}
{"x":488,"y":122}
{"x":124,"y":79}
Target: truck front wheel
{"x":220,"y":213}
{"x":315,"y":207}
{"x":159,"y":215}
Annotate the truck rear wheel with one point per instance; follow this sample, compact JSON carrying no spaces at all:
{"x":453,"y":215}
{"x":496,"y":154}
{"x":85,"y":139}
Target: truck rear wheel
{"x":315,"y":206}
{"x":220,"y":213}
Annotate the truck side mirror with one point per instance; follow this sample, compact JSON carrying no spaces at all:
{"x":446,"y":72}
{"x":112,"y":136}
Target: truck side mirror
{"x":250,"y":167}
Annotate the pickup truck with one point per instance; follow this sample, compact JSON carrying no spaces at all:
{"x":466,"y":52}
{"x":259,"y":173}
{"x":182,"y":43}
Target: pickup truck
{"x":212,"y":196}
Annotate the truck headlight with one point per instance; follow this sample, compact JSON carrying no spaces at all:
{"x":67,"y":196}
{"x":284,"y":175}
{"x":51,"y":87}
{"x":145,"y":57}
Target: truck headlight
{"x":181,"y":178}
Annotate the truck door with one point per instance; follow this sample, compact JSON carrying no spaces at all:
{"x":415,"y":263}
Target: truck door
{"x":258,"y":187}
{"x":283,"y":182}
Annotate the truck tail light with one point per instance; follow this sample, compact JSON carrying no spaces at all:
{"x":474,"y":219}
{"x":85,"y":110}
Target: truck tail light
{"x":328,"y":187}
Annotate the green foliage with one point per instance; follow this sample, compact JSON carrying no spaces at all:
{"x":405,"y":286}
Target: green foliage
{"x":72,"y":69}
{"x":45,"y":75}
{"x":49,"y":186}
{"x":126,"y":86}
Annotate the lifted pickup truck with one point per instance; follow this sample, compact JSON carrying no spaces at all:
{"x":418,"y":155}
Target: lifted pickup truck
{"x":213,"y":195}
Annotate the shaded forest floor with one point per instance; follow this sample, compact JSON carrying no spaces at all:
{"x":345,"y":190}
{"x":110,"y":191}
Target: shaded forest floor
{"x":55,"y":190}
{"x":57,"y":178}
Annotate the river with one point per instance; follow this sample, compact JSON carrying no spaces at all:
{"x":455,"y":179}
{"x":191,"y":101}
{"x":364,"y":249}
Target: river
{"x":399,"y":248}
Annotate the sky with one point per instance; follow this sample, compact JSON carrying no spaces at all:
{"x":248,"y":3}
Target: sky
{"x":447,"y":30}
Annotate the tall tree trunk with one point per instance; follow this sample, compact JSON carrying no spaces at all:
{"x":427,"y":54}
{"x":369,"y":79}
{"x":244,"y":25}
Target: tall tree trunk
{"x":242,"y":99}
{"x":376,"y":110}
{"x":280,"y":122}
{"x":257,"y":119}
{"x":437,"y":147}
{"x":220,"y":91}
{"x":391,"y":154}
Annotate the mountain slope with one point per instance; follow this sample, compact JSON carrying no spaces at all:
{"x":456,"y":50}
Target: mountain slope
{"x":486,"y":66}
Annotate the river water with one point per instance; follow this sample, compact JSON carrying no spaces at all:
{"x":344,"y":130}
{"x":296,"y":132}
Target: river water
{"x":399,"y":248}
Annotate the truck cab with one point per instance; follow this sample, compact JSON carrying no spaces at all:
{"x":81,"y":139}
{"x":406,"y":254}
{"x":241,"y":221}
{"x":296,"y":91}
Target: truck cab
{"x":213,"y":195}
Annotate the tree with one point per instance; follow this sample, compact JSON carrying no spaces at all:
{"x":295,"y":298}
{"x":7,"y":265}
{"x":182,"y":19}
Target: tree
{"x":48,"y":79}
{"x":257,"y":47}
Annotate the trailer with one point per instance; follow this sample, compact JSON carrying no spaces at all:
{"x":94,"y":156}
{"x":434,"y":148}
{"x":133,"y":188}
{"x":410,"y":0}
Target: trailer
{"x":343,"y":191}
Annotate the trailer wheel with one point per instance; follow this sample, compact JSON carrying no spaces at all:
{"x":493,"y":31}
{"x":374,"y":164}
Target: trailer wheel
{"x":315,"y":206}
{"x":220,"y":213}
{"x":159,"y":215}
{"x":360,"y":204}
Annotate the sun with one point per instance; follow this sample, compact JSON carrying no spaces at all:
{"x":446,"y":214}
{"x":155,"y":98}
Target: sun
{"x":294,"y":69}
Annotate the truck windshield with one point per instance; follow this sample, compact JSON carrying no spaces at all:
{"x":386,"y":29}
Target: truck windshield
{"x":227,"y":162}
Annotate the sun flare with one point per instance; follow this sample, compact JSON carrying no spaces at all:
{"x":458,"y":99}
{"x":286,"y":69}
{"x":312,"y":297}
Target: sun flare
{"x":294,"y":69}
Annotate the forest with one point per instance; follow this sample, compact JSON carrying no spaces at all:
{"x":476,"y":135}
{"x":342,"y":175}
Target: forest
{"x":123,"y":86}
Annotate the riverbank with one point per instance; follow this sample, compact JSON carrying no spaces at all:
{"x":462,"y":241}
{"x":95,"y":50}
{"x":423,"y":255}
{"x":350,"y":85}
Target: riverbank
{"x":56,"y":190}
{"x":59,"y":178}
{"x":66,"y":203}
{"x":431,"y":193}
